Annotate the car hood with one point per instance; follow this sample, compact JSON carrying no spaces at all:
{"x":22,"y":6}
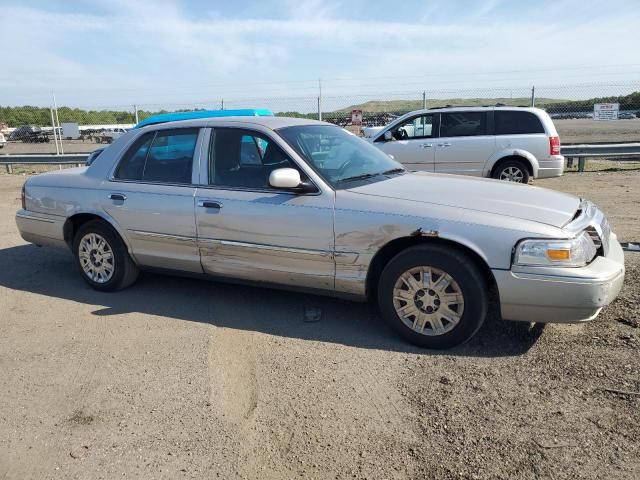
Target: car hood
{"x":484,"y":195}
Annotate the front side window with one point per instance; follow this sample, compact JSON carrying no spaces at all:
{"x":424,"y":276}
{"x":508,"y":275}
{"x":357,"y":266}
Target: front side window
{"x":343,"y":159}
{"x":417,"y":127}
{"x":244,"y":159}
{"x":517,"y":123}
{"x":463,"y":124}
{"x":165,"y":156}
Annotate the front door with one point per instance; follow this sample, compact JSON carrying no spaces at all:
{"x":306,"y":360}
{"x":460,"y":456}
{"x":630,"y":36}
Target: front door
{"x":151,"y":197}
{"x":463,"y":146}
{"x":251,"y":231}
{"x":411,"y":143}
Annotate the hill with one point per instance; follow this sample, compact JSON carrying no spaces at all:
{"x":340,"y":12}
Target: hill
{"x":408,"y":105}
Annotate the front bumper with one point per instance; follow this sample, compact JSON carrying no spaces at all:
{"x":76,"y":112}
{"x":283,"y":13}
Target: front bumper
{"x":40,"y":228}
{"x":566,"y":295}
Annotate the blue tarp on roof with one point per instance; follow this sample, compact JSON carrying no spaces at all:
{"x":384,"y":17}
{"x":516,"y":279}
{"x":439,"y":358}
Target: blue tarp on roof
{"x":173,"y":117}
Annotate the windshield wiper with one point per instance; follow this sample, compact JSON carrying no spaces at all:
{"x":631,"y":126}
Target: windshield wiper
{"x":364,"y":176}
{"x":394,"y":170}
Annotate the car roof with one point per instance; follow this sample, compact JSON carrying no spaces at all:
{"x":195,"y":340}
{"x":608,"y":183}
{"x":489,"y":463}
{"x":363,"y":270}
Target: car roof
{"x":196,"y":114}
{"x":480,"y":109}
{"x":272,"y":123}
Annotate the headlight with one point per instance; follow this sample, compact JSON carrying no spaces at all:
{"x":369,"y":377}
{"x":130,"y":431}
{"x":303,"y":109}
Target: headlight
{"x":576,"y":252}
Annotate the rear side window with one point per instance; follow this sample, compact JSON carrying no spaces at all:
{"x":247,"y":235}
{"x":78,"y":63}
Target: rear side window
{"x":517,"y":123}
{"x":165,"y":156}
{"x":132,"y":164}
{"x":463,"y":124}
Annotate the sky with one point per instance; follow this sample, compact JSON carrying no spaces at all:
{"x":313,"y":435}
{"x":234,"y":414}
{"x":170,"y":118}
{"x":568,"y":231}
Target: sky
{"x":100,"y":53}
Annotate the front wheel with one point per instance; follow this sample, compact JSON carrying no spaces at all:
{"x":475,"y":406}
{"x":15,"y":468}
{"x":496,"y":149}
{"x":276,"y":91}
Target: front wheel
{"x":512,"y":171}
{"x":434,"y":296}
{"x":103,"y":258}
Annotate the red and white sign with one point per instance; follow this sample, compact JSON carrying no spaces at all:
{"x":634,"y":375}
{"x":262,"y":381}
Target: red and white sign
{"x":356,"y":117}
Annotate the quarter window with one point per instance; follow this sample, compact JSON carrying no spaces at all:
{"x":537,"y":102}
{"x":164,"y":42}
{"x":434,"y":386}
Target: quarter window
{"x":463,"y":124}
{"x":517,"y":123}
{"x":165,"y":156}
{"x":244,"y":159}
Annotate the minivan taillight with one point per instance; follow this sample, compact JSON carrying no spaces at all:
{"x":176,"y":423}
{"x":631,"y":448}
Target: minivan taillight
{"x":554,"y":145}
{"x":23,"y":197}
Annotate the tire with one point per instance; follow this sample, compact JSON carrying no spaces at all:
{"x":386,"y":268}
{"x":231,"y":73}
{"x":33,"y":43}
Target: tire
{"x":512,"y":171}
{"x":464,"y":318}
{"x":100,"y":273}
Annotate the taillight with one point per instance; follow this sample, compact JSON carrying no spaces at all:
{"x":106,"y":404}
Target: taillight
{"x":554,"y":145}
{"x":22,"y":197}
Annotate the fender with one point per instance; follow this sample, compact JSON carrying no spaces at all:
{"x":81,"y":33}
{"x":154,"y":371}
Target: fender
{"x":511,"y":152}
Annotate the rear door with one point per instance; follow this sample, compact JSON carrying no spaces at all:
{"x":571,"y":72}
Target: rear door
{"x":411,"y":143}
{"x":252,"y":231}
{"x":464,"y":145}
{"x":151,"y":196}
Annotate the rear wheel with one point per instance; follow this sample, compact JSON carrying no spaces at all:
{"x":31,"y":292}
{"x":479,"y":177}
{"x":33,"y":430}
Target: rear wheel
{"x":102,"y":257}
{"x":512,"y":171}
{"x":434,"y":296}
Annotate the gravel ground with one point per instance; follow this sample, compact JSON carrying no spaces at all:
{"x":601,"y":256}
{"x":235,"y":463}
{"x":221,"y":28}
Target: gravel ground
{"x":180,"y":378}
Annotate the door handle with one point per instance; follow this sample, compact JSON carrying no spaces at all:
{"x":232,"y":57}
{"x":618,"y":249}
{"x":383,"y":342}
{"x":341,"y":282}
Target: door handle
{"x":427,"y":145}
{"x":117,"y":196}
{"x":444,"y":144}
{"x":209,"y":204}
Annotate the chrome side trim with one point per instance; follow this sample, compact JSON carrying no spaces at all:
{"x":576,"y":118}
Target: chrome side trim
{"x":162,"y":236}
{"x":212,"y":242}
{"x":32,"y":217}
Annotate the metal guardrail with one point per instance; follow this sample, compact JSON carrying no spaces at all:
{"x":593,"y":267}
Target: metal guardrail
{"x":9,"y":161}
{"x":581,"y":152}
{"x":618,"y":151}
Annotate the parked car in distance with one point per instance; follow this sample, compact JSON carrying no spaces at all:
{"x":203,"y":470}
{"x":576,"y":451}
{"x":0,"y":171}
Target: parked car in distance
{"x":306,"y":205}
{"x":3,"y":140}
{"x":108,"y":136}
{"x":506,"y":143}
{"x":626,"y":116}
{"x":29,"y":134}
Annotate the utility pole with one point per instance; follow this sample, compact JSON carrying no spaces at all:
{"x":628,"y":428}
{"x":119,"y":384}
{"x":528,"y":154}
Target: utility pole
{"x":222,"y":104}
{"x":55,"y":107}
{"x":424,"y":99}
{"x":55,"y":136}
{"x":135,"y":112}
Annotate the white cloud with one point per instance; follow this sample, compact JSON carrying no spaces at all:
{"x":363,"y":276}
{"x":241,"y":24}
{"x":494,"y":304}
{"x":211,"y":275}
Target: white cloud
{"x":157,"y":51}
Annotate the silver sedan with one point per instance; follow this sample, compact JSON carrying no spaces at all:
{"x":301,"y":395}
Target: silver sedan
{"x":306,"y":205}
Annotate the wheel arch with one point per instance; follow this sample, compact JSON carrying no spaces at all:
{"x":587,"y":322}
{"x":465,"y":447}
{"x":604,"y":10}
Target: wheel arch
{"x":513,"y":154}
{"x":75,"y":221}
{"x":397,"y":245}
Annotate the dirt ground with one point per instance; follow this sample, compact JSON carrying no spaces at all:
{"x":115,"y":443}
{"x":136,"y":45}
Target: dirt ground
{"x":180,"y":378}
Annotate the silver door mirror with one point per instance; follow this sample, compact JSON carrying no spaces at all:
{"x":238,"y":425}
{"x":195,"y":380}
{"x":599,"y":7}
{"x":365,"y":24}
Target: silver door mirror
{"x":387,"y":135}
{"x":285,"y":178}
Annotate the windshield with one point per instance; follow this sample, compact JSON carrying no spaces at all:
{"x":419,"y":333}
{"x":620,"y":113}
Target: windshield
{"x":339,"y":156}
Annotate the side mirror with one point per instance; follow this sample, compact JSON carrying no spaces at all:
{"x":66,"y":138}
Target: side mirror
{"x":289,"y":179}
{"x":387,"y":135}
{"x":285,"y":178}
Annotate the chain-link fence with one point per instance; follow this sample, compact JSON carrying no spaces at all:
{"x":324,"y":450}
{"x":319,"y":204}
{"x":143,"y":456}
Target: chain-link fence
{"x":30,"y":129}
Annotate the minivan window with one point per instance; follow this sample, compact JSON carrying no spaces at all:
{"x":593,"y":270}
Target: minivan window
{"x":463,"y":124}
{"x":517,"y":123}
{"x":416,"y":127}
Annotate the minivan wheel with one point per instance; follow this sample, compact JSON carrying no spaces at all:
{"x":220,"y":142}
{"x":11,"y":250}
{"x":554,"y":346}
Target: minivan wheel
{"x":102,"y":257}
{"x":512,"y":171}
{"x":434,"y":296}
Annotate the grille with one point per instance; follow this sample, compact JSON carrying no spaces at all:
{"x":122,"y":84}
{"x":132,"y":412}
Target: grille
{"x":591,"y":231}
